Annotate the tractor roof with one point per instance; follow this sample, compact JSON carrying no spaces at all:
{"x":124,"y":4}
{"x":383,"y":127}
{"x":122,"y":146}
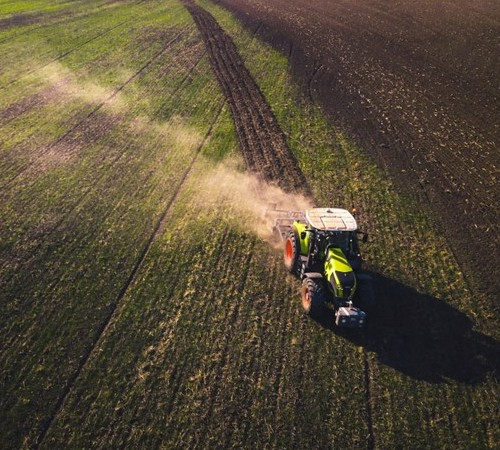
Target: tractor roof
{"x":331,"y":219}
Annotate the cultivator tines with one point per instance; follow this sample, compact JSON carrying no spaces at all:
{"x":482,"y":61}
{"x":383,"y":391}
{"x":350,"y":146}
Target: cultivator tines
{"x":282,"y":220}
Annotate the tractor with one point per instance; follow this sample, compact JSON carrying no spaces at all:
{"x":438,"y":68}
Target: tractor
{"x":321,"y":247}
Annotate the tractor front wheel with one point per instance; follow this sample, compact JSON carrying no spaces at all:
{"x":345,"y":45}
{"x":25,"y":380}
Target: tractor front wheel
{"x":292,"y":252}
{"x":313,"y":296}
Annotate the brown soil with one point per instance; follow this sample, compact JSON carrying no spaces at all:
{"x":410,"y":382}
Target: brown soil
{"x":19,"y":20}
{"x":416,"y":84}
{"x":40,"y":99}
{"x":260,"y":137}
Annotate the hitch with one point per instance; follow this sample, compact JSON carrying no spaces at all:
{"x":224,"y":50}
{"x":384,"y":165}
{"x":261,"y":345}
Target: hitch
{"x":282,"y":220}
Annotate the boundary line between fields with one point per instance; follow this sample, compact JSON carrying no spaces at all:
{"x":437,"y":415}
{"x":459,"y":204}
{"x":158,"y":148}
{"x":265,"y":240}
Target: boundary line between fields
{"x":101,"y":332}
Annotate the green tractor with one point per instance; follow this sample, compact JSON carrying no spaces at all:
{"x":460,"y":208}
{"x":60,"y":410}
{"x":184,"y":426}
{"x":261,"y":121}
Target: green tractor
{"x":321,"y":247}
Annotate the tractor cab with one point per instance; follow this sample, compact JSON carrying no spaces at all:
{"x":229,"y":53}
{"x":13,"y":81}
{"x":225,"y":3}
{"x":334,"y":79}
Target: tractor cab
{"x":328,"y":234}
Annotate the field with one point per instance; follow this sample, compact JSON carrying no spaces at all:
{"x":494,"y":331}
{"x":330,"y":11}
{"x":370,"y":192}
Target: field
{"x":143,"y":303}
{"x":416,"y":85}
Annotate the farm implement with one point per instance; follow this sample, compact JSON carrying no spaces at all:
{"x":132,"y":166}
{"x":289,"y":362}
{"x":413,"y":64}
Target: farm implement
{"x":321,"y":247}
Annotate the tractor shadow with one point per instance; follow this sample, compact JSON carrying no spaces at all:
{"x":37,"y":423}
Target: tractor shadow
{"x":422,"y":336}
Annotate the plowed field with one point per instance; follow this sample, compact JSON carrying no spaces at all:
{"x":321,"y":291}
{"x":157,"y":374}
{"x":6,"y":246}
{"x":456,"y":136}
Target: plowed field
{"x":143,"y":303}
{"x":417,"y":84}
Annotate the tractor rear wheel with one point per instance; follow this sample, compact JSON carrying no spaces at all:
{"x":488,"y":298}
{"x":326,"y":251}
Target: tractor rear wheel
{"x":292,"y":252}
{"x":313,"y":296}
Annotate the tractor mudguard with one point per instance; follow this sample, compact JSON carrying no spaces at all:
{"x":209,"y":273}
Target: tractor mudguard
{"x":304,"y":242}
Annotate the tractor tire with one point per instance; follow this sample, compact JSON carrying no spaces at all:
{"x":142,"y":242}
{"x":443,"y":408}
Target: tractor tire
{"x":313,"y":296}
{"x":292,"y":252}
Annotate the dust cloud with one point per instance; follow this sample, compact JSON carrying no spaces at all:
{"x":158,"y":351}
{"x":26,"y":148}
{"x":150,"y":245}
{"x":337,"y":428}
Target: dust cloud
{"x":248,"y":199}
{"x":68,"y":85}
{"x":244,"y":197}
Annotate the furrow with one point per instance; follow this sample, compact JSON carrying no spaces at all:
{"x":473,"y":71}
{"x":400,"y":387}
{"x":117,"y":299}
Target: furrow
{"x":261,"y":140}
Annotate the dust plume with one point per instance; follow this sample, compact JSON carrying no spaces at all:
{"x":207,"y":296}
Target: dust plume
{"x":247,"y":198}
{"x":70,"y":86}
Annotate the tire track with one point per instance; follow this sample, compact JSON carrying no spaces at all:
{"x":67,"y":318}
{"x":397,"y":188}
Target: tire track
{"x":68,"y":221}
{"x":49,"y":94}
{"x":101,"y":332}
{"x":260,"y":137}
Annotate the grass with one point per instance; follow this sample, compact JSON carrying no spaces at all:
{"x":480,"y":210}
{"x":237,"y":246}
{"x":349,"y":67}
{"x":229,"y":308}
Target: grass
{"x":207,"y":346}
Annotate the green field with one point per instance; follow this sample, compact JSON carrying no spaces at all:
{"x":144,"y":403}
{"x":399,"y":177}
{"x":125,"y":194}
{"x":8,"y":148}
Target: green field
{"x":142,"y":305}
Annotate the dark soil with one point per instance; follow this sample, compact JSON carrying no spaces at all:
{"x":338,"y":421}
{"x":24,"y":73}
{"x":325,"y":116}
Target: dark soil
{"x":261,"y":140}
{"x":416,"y":85}
{"x":19,"y":20}
{"x":42,"y":98}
